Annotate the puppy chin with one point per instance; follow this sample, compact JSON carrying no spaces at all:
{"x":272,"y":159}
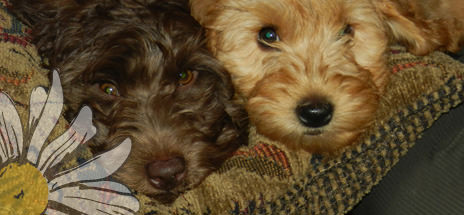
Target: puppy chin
{"x":166,"y":198}
{"x":318,"y":141}
{"x":313,"y":132}
{"x":143,"y":186}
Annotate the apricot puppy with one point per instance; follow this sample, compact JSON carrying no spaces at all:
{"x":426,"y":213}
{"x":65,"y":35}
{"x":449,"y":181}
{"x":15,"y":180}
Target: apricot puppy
{"x":311,"y":73}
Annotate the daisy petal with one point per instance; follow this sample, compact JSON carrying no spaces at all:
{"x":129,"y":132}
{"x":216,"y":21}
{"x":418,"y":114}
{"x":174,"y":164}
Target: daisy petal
{"x":11,"y":131}
{"x":81,"y":131}
{"x":94,"y":201}
{"x":109,"y":185}
{"x":99,"y":167}
{"x":45,"y":111}
{"x":37,"y":102}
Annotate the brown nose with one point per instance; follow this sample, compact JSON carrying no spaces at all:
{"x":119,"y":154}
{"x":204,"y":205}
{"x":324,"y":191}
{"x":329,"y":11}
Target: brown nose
{"x":166,"y":174}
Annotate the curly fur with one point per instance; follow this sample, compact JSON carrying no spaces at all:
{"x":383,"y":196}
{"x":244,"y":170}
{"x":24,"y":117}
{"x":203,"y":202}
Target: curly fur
{"x":141,"y":46}
{"x":330,"y":53}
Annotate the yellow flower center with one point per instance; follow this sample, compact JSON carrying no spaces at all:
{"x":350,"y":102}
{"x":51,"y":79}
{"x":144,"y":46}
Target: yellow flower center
{"x":23,"y":190}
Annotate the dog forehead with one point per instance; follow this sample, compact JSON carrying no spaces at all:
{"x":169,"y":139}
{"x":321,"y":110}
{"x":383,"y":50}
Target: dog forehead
{"x":292,"y":18}
{"x":290,"y":10}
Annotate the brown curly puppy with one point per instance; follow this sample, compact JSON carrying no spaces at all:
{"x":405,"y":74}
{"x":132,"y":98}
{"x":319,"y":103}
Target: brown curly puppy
{"x":143,"y":66}
{"x":311,"y":73}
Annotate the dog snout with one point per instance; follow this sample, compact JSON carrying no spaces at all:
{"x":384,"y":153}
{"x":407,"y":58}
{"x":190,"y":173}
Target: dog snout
{"x":166,"y":174}
{"x":314,"y":113}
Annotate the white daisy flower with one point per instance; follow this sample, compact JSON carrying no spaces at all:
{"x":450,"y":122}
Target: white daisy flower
{"x":26,"y":186}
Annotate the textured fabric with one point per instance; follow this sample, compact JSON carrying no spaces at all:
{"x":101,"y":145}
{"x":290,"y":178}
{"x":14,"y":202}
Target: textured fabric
{"x":429,"y":179}
{"x":267,"y":178}
{"x":421,"y":90}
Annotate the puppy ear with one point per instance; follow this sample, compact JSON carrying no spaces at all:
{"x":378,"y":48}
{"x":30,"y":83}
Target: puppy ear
{"x":235,"y":123}
{"x":201,"y":10}
{"x":235,"y":130}
{"x":48,"y":19}
{"x":408,"y":25}
{"x":31,"y":12}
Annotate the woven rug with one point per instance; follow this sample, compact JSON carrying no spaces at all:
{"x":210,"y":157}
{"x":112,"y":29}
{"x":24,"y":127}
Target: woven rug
{"x":265,"y":177}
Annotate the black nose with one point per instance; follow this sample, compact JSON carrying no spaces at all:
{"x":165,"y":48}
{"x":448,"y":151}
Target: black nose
{"x":166,"y":174}
{"x":315,"y":113}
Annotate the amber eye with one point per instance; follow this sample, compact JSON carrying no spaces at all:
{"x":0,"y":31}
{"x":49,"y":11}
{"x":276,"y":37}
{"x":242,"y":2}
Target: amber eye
{"x":268,"y":35}
{"x":109,"y":89}
{"x":186,"y":77}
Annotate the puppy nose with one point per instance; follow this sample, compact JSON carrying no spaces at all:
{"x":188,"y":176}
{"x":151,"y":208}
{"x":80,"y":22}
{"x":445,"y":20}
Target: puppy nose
{"x":315,"y":113}
{"x":166,"y":174}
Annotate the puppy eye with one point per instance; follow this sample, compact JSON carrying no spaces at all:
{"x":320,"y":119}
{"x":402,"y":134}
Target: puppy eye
{"x":109,"y":89}
{"x":347,"y":30}
{"x":268,"y":35}
{"x":186,"y":77}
